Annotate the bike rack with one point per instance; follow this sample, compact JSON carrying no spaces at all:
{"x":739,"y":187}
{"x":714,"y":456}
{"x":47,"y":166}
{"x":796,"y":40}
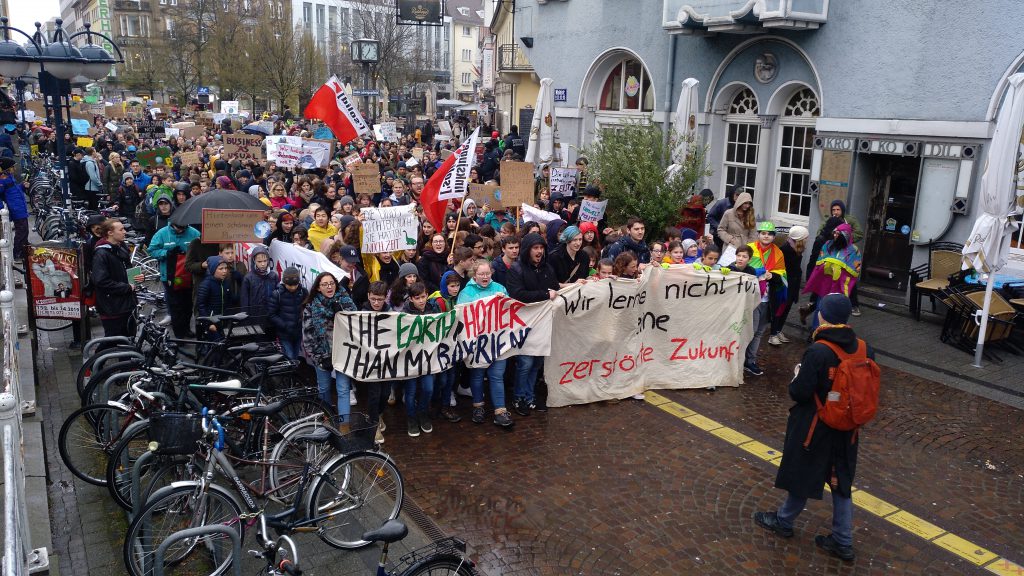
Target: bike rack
{"x":236,"y":543}
{"x":115,"y":379}
{"x":136,"y":489}
{"x":126,"y":354}
{"x":91,"y":345}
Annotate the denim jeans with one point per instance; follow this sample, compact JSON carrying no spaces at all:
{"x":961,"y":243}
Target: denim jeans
{"x":761,"y":323}
{"x":341,"y":383}
{"x":292,"y":348}
{"x":496,"y":377}
{"x":443,"y":384}
{"x":526,"y":376}
{"x":417,"y":403}
{"x":842,"y":516}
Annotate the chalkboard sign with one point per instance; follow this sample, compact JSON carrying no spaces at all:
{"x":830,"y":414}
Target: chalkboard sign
{"x":150,"y":129}
{"x":525,"y":119}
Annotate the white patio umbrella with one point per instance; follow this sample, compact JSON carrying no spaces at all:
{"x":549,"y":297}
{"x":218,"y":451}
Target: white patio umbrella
{"x":684,"y":125}
{"x":988,"y":244}
{"x":448,"y":102}
{"x":543,"y":146}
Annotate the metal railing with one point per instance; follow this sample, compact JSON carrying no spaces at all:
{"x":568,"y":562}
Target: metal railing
{"x":18,"y":556}
{"x":511,"y":58}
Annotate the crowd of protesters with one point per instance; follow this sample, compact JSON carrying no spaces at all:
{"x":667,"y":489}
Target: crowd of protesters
{"x":480,"y":250}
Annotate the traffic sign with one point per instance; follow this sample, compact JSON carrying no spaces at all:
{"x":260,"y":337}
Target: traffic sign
{"x":203,"y":91}
{"x":365,"y":92}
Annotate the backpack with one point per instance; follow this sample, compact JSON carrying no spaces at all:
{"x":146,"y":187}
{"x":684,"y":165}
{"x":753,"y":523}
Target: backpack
{"x":853,"y":399}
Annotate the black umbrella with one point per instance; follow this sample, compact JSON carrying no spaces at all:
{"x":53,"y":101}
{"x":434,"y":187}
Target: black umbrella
{"x":191,"y":212}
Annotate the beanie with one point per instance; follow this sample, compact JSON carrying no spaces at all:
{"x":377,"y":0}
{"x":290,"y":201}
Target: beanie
{"x":835,"y":308}
{"x":798,"y":233}
{"x":407,"y":269}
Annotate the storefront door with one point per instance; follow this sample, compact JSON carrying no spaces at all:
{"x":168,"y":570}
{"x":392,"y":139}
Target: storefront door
{"x":887,"y":247}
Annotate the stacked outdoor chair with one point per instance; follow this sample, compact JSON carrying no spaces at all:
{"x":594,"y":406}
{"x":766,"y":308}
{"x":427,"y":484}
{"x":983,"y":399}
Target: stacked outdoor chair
{"x":960,"y":328}
{"x":932,"y":277}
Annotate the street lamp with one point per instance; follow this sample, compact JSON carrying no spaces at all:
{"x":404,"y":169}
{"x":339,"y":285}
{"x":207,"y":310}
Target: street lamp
{"x":55,"y":62}
{"x":365,"y":52}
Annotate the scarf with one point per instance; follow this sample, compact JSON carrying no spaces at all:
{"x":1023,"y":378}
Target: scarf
{"x":770,"y":259}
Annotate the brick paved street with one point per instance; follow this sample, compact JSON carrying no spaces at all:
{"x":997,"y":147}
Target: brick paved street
{"x":627,"y":488}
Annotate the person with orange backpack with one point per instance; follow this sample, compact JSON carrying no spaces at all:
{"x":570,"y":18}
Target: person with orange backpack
{"x":836,"y":388}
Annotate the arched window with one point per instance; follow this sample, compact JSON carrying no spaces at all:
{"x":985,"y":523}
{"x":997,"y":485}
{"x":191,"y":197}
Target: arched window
{"x":627,"y":88}
{"x":741,"y":142}
{"x":793,"y":172}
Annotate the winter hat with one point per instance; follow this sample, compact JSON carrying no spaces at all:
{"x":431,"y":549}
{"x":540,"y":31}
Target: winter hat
{"x":226,"y":183}
{"x":211,"y":264}
{"x":347,"y":200}
{"x":126,"y":176}
{"x":444,"y":282}
{"x":798,"y":233}
{"x":290,"y":272}
{"x":840,"y":203}
{"x":688,"y":234}
{"x":254,"y":190}
{"x":569,"y":233}
{"x":407,"y":269}
{"x":835,"y":308}
{"x":687,"y":244}
{"x":588,"y":227}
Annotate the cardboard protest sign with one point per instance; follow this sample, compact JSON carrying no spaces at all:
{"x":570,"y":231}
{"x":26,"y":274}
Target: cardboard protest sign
{"x":517,"y":182}
{"x":191,"y":159}
{"x":113,"y":111}
{"x":377,"y":134}
{"x":229,"y":107}
{"x":111,"y":126}
{"x":373,"y":347}
{"x":230,"y":225}
{"x":79,"y":127}
{"x":417,"y":153}
{"x":366,"y":178}
{"x":56,"y":288}
{"x":529,"y":213}
{"x":193,"y":132}
{"x":83,"y":141}
{"x":243,"y":146}
{"x":154,"y":156}
{"x":389,"y":131}
{"x":172,"y":132}
{"x":288,"y":155}
{"x":180,"y":125}
{"x":591,"y":211}
{"x":445,"y":127}
{"x":488,"y":194}
{"x":562,"y":182}
{"x":389,"y":229}
{"x":149,"y":129}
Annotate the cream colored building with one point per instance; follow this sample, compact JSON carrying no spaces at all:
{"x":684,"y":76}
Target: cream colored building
{"x":516,"y":84}
{"x":467,"y":26}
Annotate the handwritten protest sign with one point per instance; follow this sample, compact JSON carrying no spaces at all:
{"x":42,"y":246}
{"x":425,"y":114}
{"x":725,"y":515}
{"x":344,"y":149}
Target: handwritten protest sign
{"x":243,"y":146}
{"x":674,"y":328}
{"x":592,"y":211}
{"x":372,"y":347}
{"x":111,"y":126}
{"x":389,"y":131}
{"x":320,"y":151}
{"x":366,"y":178}
{"x":229,"y":107}
{"x":417,"y":153}
{"x":190,"y":159}
{"x":79,"y":127}
{"x":488,"y":194}
{"x":272,"y":143}
{"x":113,"y":111}
{"x":352,"y":158}
{"x":389,"y":229}
{"x":154,"y":156}
{"x":323,"y":133}
{"x":230,"y":225}
{"x":517,"y":183}
{"x":288,"y":156}
{"x":193,"y":132}
{"x":531,"y":214}
{"x":562,"y":182}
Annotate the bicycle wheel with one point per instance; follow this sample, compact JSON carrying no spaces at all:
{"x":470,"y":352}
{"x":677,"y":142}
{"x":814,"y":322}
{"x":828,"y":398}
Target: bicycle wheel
{"x":87,"y":437}
{"x":355,"y":493}
{"x":177,"y":508}
{"x":443,"y":565}
{"x":92,"y":393}
{"x":134,"y":443}
{"x":290,"y":455}
{"x":86,"y":370}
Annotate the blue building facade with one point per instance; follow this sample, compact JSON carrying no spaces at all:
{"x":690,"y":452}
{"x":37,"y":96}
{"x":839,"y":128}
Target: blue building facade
{"x":888,"y":106}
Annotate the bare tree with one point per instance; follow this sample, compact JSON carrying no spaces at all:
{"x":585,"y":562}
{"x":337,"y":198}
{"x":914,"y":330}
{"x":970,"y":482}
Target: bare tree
{"x":401,"y":59}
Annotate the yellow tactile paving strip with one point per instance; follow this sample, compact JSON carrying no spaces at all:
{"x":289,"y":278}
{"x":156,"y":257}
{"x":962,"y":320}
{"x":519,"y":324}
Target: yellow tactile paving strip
{"x":891,"y":513}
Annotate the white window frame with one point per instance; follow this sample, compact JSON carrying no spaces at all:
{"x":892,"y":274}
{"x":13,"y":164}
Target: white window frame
{"x":749,"y":120}
{"x":467,"y":31}
{"x":802,"y":122}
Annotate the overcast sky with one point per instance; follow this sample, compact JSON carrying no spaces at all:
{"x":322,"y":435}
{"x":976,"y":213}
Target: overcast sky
{"x":25,"y":13}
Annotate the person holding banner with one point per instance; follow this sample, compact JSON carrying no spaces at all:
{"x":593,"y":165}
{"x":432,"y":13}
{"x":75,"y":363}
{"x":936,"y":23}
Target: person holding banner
{"x":570,"y":263}
{"x":483,"y":286}
{"x":325,"y":300}
{"x":532,"y":279}
{"x":420,"y":389}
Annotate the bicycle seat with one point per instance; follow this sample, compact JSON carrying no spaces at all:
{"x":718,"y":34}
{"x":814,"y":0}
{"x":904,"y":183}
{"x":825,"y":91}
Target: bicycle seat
{"x":271,"y":359}
{"x":391,"y":531}
{"x":268,"y":409}
{"x":233,"y":383}
{"x":245,"y":348}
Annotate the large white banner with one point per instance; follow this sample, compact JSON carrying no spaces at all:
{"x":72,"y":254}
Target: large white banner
{"x":389,"y":229}
{"x":456,"y":182}
{"x":309,"y":263}
{"x":608,"y":339}
{"x":376,"y":346}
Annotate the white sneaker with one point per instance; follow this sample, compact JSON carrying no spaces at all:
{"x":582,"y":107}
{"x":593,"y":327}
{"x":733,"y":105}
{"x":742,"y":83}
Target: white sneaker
{"x":855,"y":311}
{"x":451,"y":401}
{"x":463,"y":391}
{"x":639,"y":396}
{"x":381,"y":426}
{"x":774,"y":340}
{"x":352,"y":398}
{"x":378,"y":438}
{"x":782,"y":337}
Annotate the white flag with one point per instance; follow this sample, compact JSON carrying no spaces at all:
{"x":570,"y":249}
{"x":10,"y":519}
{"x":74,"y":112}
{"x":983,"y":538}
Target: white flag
{"x":456,"y":182}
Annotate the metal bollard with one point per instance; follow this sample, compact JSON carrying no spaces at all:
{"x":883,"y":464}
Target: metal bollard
{"x":236,"y":544}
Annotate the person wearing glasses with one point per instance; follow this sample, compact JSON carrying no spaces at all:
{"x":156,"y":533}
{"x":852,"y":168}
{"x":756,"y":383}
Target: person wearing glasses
{"x":326,"y":298}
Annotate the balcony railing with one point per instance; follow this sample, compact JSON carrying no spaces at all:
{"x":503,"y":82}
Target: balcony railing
{"x":511,"y":58}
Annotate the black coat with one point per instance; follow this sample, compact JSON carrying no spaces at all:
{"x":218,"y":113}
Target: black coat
{"x":569,"y":270}
{"x":115,"y":297}
{"x":431,"y":266}
{"x":793,"y":271}
{"x":804,"y":472}
{"x":285,"y":312}
{"x":528,"y":282}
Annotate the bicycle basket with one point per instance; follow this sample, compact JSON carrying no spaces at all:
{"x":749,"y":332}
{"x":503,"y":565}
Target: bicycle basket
{"x":175,"y":433}
{"x":360,"y":435}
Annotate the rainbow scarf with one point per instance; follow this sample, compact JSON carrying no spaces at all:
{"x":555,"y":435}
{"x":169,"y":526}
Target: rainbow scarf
{"x":770,"y":259}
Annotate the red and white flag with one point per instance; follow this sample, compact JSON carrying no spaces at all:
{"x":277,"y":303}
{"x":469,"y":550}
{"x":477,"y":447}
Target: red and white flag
{"x":450,"y":181}
{"x":331,"y":105}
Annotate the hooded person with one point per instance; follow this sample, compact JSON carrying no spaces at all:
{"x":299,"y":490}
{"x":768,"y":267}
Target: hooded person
{"x":738,"y":226}
{"x":169,"y":245}
{"x":837,"y":209}
{"x":824,"y":235}
{"x":838,"y":267}
{"x":532,"y":279}
{"x":718,"y":209}
{"x":258,"y":286}
{"x":284,"y":311}
{"x":162,"y":217}
{"x":128,"y":196}
{"x":215,"y":297}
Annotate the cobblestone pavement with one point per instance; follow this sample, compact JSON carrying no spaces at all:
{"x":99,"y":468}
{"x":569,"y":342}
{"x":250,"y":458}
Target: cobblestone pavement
{"x":627,"y":488}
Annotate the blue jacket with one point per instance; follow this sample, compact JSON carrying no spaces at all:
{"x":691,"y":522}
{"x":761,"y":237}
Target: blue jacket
{"x":12,"y":197}
{"x":257,"y":288}
{"x":95,"y":183}
{"x":473,"y":291}
{"x":285,"y":312}
{"x":215,"y":296}
{"x":166,"y":240}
